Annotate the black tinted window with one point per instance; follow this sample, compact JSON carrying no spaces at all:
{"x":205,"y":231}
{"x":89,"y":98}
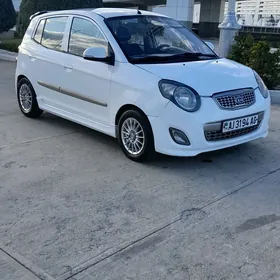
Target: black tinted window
{"x":144,"y":37}
{"x":39,"y":31}
{"x":54,"y":32}
{"x":84,"y":35}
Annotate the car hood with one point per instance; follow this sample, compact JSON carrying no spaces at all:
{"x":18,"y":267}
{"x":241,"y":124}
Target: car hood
{"x":206,"y":76}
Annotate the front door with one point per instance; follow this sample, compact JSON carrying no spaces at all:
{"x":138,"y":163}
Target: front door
{"x":85,"y":85}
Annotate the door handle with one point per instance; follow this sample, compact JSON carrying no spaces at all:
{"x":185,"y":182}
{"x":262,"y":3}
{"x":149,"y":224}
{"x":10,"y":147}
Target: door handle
{"x":68,"y":67}
{"x":32,"y":58}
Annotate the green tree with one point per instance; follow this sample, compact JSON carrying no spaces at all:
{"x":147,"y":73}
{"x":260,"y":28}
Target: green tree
{"x":29,"y":7}
{"x":7,"y":15}
{"x":259,"y":57}
{"x":241,"y":49}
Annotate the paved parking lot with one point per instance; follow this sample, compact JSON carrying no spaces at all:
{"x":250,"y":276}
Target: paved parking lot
{"x":73,"y":207}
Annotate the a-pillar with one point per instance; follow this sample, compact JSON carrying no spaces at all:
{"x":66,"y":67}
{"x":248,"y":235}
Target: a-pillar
{"x":181,"y":10}
{"x":211,"y":15}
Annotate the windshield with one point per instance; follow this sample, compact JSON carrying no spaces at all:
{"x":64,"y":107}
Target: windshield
{"x":150,"y":39}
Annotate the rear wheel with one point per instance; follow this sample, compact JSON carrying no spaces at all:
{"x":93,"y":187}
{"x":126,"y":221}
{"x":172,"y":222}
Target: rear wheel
{"x":135,"y":135}
{"x":27,"y":99}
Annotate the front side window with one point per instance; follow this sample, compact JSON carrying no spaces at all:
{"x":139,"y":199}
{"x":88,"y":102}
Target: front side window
{"x":84,"y":34}
{"x":54,"y":32}
{"x":39,"y":31}
{"x":152,"y":39}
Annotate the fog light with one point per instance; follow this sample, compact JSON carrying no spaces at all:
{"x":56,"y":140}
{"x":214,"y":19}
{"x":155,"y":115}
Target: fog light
{"x":179,"y":136}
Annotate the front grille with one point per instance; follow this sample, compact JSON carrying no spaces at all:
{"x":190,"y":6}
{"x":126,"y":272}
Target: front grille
{"x":237,"y":99}
{"x":218,"y":135}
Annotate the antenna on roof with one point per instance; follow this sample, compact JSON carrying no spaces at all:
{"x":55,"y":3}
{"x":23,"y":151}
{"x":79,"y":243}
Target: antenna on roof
{"x":138,"y":12}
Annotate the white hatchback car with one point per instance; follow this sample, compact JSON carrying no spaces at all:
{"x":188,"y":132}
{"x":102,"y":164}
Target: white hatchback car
{"x":140,"y":77}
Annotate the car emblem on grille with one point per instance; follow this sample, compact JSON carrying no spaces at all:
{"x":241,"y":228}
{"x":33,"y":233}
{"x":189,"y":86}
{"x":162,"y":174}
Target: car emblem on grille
{"x":239,"y":100}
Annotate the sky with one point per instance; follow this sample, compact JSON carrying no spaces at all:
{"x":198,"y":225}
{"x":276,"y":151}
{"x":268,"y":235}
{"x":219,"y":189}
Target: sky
{"x":16,"y":4}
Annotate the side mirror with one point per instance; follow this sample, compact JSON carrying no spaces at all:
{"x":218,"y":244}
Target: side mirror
{"x":98,"y":54}
{"x":210,"y":45}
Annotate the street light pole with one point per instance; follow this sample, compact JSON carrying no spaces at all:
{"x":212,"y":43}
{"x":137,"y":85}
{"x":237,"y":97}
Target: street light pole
{"x":228,"y":29}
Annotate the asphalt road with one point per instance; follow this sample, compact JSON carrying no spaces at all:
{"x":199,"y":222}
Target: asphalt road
{"x":73,"y":207}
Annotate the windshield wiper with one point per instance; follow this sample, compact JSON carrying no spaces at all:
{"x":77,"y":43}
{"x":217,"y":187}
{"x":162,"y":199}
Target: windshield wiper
{"x":190,"y":54}
{"x":205,"y":54}
{"x":150,"y":58}
{"x":169,"y":57}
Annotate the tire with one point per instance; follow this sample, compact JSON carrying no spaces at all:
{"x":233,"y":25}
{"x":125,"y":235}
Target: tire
{"x":27,"y":99}
{"x":140,"y":135}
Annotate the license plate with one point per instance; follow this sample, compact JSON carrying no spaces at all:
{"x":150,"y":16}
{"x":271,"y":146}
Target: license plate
{"x":236,"y":124}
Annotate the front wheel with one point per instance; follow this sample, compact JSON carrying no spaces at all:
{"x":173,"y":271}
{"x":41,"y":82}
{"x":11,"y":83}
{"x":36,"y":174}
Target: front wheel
{"x":135,"y":135}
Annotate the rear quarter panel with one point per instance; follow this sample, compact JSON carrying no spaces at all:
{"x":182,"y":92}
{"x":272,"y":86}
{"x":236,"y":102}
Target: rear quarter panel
{"x":27,"y":48}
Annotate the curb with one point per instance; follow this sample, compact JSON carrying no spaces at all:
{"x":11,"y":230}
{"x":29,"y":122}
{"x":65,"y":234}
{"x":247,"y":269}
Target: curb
{"x":8,"y":56}
{"x":275,"y":96}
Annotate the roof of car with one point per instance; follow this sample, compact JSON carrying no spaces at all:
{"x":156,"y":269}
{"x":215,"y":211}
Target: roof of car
{"x":115,"y":12}
{"x":104,"y":12}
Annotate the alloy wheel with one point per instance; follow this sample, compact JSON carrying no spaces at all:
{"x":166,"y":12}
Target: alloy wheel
{"x":25,"y":98}
{"x":132,"y":136}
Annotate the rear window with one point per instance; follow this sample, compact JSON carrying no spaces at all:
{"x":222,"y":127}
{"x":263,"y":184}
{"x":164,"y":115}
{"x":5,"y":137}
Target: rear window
{"x":54,"y":32}
{"x":39,"y":31}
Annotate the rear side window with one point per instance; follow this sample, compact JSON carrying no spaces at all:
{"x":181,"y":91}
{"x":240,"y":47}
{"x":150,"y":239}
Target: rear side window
{"x":84,"y":34}
{"x":39,"y":31}
{"x":54,"y":32}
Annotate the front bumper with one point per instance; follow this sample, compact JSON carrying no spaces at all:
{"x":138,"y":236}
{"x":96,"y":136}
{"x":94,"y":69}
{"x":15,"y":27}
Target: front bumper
{"x":193,"y":124}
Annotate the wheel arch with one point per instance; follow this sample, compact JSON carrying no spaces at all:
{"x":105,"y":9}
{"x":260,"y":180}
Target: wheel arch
{"x":125,"y":108}
{"x":150,"y":145}
{"x":128,"y":107}
{"x":35,"y":110}
{"x":20,"y":77}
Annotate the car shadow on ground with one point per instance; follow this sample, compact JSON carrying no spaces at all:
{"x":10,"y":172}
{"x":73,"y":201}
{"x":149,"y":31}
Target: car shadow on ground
{"x":224,"y":156}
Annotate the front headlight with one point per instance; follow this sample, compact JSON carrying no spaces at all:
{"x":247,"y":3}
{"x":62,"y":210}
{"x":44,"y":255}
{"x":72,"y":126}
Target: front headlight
{"x":263,"y":89}
{"x":181,"y":95}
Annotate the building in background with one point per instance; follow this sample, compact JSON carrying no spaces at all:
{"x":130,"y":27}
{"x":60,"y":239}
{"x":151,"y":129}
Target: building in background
{"x":196,"y":12}
{"x":208,"y":12}
{"x":249,"y":12}
{"x":258,"y":12}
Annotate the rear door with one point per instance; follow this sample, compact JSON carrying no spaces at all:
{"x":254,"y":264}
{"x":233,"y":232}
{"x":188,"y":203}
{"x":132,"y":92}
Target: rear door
{"x":49,"y":60}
